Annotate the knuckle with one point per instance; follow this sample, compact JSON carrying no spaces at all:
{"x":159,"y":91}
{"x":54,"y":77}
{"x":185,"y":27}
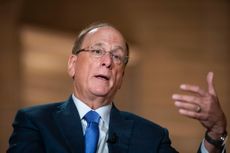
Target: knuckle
{"x":205,"y":117}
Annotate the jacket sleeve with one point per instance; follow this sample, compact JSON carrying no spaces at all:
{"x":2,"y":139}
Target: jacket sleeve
{"x":26,"y":137}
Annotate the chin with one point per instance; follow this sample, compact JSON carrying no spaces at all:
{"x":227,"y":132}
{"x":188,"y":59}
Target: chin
{"x":100,"y":92}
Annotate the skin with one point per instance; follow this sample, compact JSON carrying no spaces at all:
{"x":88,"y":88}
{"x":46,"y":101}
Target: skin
{"x":95,"y":91}
{"x":211,"y":115}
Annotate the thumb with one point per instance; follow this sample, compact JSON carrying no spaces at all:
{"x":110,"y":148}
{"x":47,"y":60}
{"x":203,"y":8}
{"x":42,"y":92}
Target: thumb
{"x":211,"y":88}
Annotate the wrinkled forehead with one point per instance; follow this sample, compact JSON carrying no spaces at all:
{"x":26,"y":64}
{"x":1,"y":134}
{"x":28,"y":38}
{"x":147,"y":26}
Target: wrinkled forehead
{"x":106,"y":37}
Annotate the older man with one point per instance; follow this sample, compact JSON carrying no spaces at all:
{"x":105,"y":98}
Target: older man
{"x":89,"y":122}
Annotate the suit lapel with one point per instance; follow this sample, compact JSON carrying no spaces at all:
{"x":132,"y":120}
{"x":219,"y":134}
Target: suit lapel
{"x":120,"y":128}
{"x":68,"y":121}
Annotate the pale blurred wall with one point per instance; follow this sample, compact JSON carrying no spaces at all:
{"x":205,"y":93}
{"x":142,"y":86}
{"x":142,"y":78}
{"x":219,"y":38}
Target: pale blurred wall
{"x":172,"y":42}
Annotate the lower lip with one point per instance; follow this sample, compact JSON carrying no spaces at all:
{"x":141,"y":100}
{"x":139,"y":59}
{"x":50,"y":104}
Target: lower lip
{"x":100,"y":78}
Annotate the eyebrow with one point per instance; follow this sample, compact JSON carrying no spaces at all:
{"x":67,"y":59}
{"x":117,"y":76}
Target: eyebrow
{"x":102,"y":45}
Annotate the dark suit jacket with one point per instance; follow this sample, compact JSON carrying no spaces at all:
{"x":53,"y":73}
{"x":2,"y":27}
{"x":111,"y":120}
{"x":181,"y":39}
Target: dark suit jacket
{"x":56,"y":128}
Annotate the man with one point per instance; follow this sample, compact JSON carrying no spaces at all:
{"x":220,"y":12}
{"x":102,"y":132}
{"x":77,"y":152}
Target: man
{"x":97,"y":67}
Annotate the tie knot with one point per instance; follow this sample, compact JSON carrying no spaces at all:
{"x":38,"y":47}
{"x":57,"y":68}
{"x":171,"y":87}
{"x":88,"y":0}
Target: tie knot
{"x":92,"y":116}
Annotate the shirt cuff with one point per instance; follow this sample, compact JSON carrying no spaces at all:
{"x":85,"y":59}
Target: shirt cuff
{"x":202,"y":148}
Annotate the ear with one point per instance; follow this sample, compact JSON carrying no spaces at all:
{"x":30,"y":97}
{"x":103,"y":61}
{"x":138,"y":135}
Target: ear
{"x":71,"y":65}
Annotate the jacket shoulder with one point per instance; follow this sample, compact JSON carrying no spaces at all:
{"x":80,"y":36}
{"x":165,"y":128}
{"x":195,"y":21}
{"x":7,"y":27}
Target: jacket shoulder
{"x":142,"y":123}
{"x":43,"y":110}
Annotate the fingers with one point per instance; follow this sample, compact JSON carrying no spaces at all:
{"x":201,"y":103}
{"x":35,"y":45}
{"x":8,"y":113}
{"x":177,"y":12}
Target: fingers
{"x":211,"y":88}
{"x":202,"y":105}
{"x":201,"y":94}
{"x":193,"y":89}
{"x":186,"y":98}
{"x":192,"y":106}
{"x":187,"y":106}
{"x":191,"y":114}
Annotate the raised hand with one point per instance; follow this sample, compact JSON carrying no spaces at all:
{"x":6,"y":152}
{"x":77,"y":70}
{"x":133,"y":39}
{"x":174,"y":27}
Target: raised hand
{"x":202,"y":105}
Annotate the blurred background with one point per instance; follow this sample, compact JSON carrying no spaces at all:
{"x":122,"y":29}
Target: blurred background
{"x":172,"y":42}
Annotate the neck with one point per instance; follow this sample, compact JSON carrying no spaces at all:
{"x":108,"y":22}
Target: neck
{"x":94,"y":102}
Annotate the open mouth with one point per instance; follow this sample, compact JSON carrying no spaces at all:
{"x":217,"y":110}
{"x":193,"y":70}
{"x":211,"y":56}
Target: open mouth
{"x":103,"y":77}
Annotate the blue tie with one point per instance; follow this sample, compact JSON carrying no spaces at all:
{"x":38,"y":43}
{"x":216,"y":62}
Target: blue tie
{"x":92,"y":131}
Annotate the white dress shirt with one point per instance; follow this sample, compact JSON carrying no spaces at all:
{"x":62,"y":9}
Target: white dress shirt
{"x":104,"y":112}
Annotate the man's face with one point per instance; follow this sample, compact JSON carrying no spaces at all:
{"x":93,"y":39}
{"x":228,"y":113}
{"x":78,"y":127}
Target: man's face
{"x":98,"y":77}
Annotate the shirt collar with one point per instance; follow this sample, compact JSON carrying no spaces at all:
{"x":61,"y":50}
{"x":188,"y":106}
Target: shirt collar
{"x":82,"y":108}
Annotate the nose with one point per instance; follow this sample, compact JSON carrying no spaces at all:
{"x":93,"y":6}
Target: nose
{"x":107,"y":60}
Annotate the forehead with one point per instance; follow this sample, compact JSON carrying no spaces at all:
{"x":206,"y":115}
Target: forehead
{"x":105,"y":36}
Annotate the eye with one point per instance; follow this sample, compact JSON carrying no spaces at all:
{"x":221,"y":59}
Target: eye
{"x":117,"y":57}
{"x":97,"y":51}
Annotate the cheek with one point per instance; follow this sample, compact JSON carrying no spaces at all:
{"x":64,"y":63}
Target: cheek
{"x":82,"y":71}
{"x":119,"y":78}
